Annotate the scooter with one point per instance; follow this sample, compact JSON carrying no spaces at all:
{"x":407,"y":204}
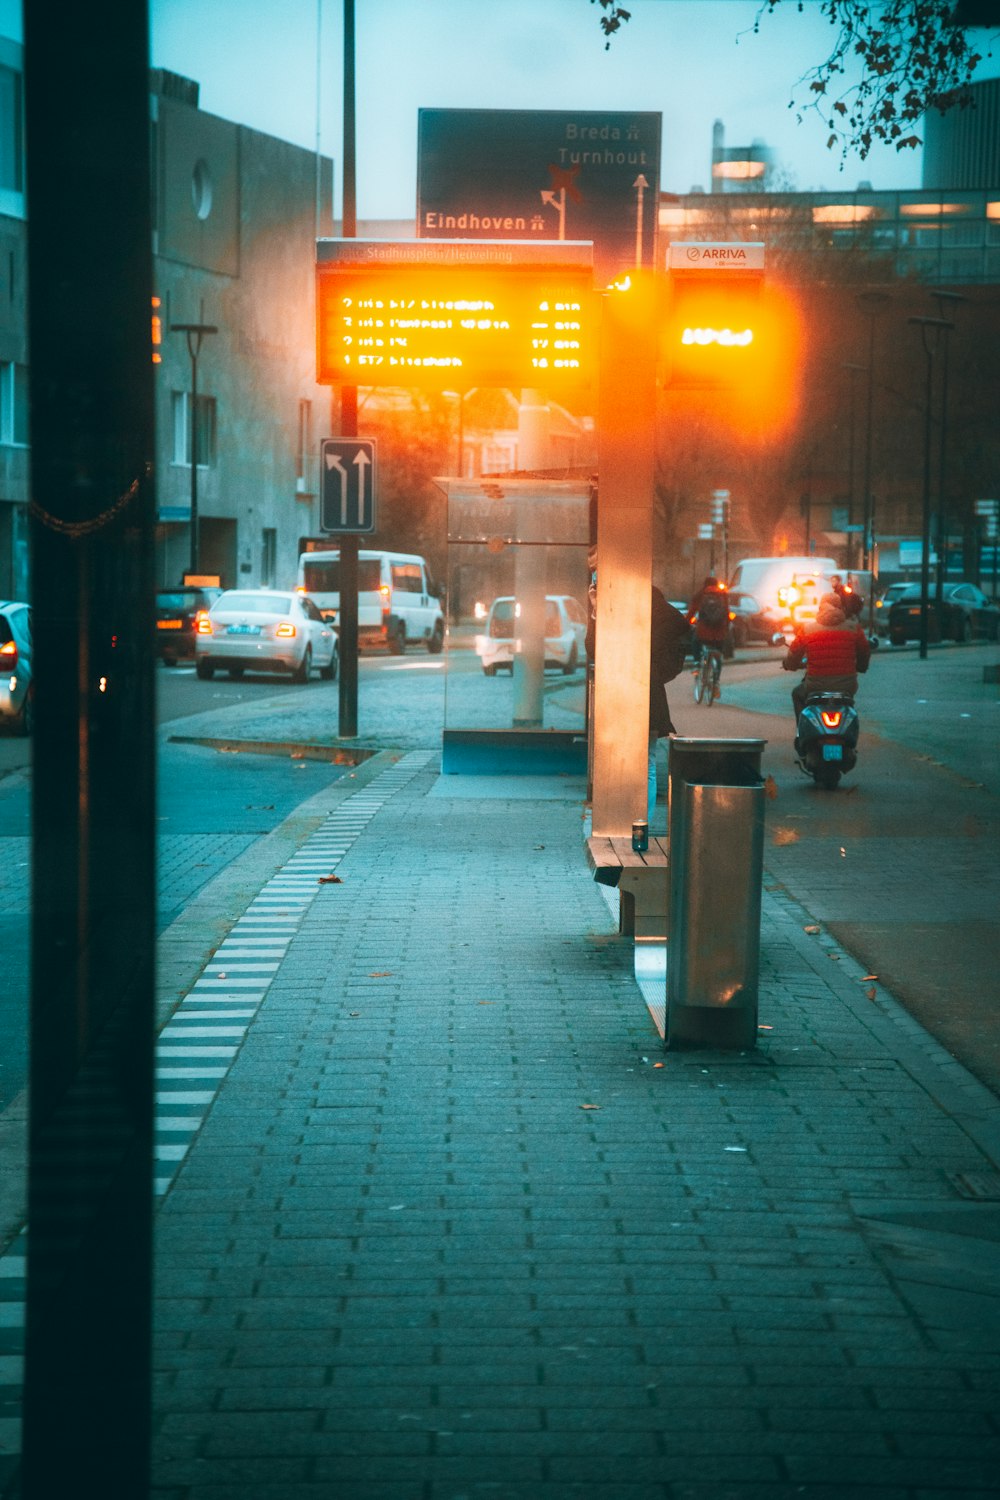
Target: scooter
{"x":826,"y":738}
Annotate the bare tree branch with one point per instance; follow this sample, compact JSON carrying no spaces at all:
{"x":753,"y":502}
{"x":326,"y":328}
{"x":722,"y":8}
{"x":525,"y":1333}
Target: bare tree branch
{"x":913,"y":56}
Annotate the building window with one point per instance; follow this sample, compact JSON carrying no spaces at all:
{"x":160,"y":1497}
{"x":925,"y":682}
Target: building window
{"x":13,"y":404}
{"x":11,"y":131}
{"x":269,"y":557}
{"x":304,"y":441}
{"x":181,"y":401}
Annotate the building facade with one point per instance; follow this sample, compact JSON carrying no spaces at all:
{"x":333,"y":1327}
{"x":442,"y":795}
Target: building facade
{"x":236,"y":215}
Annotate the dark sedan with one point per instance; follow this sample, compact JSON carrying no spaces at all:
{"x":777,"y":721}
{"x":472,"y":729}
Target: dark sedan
{"x":176,"y":618}
{"x":964,"y":613}
{"x":752,"y":621}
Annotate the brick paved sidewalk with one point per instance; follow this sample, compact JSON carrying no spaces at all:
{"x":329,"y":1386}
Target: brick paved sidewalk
{"x":456,"y":1227}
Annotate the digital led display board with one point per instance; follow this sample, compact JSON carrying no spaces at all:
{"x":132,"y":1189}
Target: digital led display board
{"x":449,"y":315}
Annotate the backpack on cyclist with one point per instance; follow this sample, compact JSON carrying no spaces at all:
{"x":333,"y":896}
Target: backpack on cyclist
{"x":712,"y":611}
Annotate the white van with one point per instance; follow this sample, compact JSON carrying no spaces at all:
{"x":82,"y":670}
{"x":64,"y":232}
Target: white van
{"x":769,"y":579}
{"x":397,"y":601}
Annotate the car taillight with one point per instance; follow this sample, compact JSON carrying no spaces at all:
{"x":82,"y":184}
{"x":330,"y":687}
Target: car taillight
{"x":285,"y":631}
{"x":831,"y":718}
{"x":8,"y":656}
{"x":202,"y":624}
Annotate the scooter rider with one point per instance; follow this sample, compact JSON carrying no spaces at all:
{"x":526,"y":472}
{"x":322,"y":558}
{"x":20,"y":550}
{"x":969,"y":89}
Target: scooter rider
{"x":833,"y":650}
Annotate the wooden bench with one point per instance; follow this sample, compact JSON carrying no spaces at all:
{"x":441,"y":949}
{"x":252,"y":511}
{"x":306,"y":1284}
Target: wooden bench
{"x":642,"y":881}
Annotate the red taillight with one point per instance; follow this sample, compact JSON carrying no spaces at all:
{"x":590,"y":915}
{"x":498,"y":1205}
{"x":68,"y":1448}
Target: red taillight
{"x":8,"y":656}
{"x":285,"y":631}
{"x":831,"y":718}
{"x":202,"y":624}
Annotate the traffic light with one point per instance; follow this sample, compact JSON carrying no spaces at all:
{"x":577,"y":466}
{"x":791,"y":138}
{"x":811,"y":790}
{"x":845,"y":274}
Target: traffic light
{"x":715,"y":336}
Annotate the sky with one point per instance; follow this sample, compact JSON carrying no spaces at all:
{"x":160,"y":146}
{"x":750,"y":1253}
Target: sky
{"x":276,"y":65}
{"x":694,"y":61}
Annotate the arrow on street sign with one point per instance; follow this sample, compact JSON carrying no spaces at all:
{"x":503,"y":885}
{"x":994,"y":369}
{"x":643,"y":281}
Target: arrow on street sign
{"x":347,"y":485}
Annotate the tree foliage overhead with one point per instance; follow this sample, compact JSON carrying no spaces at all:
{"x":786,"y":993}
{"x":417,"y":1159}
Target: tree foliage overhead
{"x":889,"y":64}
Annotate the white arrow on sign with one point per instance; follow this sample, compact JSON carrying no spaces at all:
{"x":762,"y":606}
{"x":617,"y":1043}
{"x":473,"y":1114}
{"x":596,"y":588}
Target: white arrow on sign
{"x":333,"y":462}
{"x":361,"y":461}
{"x":558,"y":202}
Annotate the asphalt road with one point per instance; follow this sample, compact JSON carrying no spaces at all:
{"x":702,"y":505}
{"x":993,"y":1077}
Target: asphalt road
{"x":900,"y":863}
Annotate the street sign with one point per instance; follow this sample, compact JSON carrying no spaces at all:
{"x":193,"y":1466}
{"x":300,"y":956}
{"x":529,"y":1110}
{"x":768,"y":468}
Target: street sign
{"x":347,"y":485}
{"x":492,"y":174}
{"x":449,"y":315}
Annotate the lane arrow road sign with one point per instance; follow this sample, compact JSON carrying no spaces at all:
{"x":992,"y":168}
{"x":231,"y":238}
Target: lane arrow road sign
{"x":347,"y":485}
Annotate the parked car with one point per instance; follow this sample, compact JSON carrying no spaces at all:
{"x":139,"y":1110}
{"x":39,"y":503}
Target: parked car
{"x":16,"y":691}
{"x":398,"y":603}
{"x":753,"y":621}
{"x":260,"y":630}
{"x":177,"y":611}
{"x":963,"y":614}
{"x":565,"y":628}
{"x":884,"y":603}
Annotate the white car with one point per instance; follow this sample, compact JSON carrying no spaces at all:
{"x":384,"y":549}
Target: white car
{"x":260,"y":630}
{"x":17,"y":708}
{"x":565,"y":628}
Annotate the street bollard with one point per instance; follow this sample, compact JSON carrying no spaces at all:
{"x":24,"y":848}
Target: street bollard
{"x":716,"y":839}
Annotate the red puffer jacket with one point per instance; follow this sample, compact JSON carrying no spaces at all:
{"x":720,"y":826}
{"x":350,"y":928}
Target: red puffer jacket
{"x":830,"y":645}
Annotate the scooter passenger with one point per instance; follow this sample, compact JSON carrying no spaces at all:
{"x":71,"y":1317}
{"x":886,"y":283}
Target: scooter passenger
{"x":833,"y":650}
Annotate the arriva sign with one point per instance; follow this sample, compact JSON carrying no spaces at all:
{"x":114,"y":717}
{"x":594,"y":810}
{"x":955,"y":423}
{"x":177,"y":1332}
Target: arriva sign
{"x":688,"y":255}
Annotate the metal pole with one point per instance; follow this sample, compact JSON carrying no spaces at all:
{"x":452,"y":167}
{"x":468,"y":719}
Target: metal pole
{"x":86,"y":1401}
{"x":851,"y":460}
{"x":870,"y":302}
{"x":942,"y":329}
{"x":347,"y":703}
{"x":942,"y":299}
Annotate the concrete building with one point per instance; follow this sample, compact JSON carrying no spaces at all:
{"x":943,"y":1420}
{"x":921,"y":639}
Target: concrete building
{"x":236,"y":214}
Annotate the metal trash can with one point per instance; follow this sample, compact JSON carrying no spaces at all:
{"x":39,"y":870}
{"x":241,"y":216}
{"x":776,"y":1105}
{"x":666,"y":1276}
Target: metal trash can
{"x":716,"y":841}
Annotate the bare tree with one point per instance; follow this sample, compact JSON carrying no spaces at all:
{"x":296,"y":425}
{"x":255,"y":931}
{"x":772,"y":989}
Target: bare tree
{"x":913,"y":56}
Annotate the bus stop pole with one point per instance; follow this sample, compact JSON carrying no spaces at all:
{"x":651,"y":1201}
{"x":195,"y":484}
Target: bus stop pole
{"x":626,"y":461}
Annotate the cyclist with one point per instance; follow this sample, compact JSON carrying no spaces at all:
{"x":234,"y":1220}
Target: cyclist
{"x":709,"y":616}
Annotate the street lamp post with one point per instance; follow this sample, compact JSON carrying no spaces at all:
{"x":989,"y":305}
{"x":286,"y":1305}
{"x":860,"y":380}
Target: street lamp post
{"x":941,"y":329}
{"x":853,"y":370}
{"x":943,"y":300}
{"x":195,"y":334}
{"x":870,"y":303}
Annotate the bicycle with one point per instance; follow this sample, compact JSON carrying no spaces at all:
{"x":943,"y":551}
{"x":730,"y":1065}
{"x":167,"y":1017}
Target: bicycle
{"x":706,"y":676}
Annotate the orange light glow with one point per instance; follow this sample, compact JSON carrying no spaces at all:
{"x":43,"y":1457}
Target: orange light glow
{"x":740,"y":171}
{"x":285,"y":631}
{"x":431,"y":325}
{"x":157,"y":332}
{"x":8,"y":656}
{"x":831,"y":718}
{"x":844,"y":213}
{"x":727,"y":337}
{"x":932,"y":210}
{"x":202,"y":624}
